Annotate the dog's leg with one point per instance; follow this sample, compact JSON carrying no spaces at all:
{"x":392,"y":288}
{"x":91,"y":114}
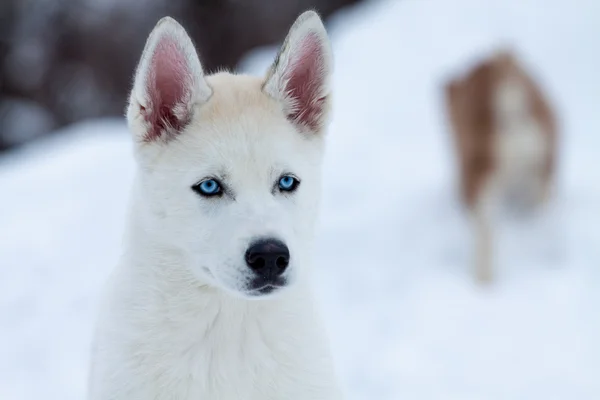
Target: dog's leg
{"x":483,"y":214}
{"x":483,"y":248}
{"x":544,"y":192}
{"x":550,"y":239}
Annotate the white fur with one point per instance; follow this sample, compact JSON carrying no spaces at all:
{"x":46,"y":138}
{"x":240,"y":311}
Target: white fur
{"x":521,"y":145}
{"x":177,"y":321}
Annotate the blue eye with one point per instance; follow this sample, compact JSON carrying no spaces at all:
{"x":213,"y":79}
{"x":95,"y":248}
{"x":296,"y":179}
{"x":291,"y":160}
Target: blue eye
{"x":209,"y":187}
{"x":288,"y":183}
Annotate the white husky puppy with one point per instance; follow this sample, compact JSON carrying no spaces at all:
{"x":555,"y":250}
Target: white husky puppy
{"x":210,"y":299}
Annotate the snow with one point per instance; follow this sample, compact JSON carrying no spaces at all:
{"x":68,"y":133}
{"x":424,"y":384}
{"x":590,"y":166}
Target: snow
{"x":405,"y":317}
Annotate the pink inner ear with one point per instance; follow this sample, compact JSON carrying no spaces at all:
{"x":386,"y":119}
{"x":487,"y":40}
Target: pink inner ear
{"x":168,"y":86}
{"x":305,"y":79}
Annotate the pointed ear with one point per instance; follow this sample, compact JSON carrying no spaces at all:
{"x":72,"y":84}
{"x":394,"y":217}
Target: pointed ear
{"x":300,"y":75}
{"x":168,"y":83}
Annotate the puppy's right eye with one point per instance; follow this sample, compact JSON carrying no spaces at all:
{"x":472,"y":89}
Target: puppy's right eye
{"x":208,"y":188}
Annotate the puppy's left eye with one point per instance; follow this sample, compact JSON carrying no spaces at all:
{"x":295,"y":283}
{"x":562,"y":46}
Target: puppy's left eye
{"x":288,"y":183}
{"x":208,"y":188}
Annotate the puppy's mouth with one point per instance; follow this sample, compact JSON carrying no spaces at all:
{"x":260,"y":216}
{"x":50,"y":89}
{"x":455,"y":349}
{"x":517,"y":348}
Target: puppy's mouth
{"x":262,"y":287}
{"x":266,"y":289}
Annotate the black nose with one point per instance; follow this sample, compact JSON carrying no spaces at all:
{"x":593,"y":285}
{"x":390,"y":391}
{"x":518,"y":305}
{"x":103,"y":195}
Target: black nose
{"x":268,"y":258}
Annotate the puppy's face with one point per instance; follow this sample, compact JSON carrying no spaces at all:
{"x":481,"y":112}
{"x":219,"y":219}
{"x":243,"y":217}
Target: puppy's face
{"x":230,"y":165}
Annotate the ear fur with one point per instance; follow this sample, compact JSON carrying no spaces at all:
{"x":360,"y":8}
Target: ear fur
{"x":169,"y":82}
{"x":300,"y":75}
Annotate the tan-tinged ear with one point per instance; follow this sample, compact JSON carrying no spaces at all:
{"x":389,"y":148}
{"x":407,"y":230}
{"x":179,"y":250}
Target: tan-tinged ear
{"x":169,"y":82}
{"x":300,"y":76}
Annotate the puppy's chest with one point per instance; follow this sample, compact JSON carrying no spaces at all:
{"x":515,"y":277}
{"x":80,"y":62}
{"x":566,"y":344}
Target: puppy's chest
{"x":215,"y":351}
{"x":217,"y":365}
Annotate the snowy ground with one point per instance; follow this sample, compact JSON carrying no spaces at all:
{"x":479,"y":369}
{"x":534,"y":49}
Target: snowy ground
{"x":405,"y":318}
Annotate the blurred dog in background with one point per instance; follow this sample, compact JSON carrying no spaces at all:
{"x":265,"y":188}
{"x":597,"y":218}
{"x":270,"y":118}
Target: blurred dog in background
{"x":505,"y":137}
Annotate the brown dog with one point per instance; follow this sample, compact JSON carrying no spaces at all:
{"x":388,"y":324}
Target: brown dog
{"x":505,"y":138}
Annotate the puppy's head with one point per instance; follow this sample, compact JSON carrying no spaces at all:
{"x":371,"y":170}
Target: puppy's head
{"x":229,"y":165}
